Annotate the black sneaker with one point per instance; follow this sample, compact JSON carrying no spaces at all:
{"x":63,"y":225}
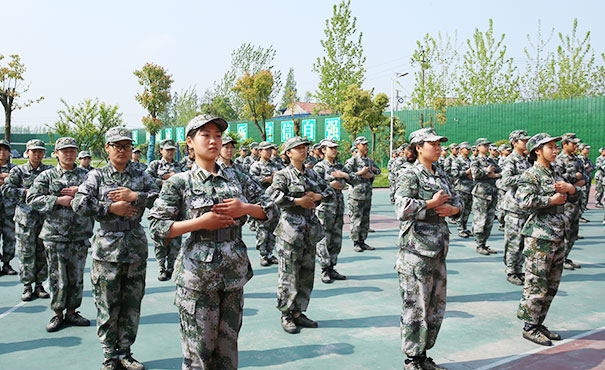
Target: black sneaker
{"x":514,"y":279}
{"x":325,"y":276}
{"x":288,"y":324}
{"x":129,"y":363}
{"x":357,"y":248}
{"x":598,"y":205}
{"x":169,"y":273}
{"x":462,"y":234}
{"x":491,"y":251}
{"x":304,"y":321}
{"x":583,"y":220}
{"x":28,"y":293}
{"x":468,"y":232}
{"x":575,"y":265}
{"x":580,"y":237}
{"x":371,"y":230}
{"x":56,"y":323}
{"x":40,"y":292}
{"x":536,"y":336}
{"x":429,"y":364}
{"x":8,"y":270}
{"x":273,"y":260}
{"x":76,"y":319}
{"x":412,"y":364}
{"x":548,"y":333}
{"x":111,"y":364}
{"x":336,"y":276}
{"x":265,"y":262}
{"x":366,"y":247}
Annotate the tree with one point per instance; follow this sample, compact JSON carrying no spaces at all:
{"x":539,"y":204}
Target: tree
{"x":219,"y":106}
{"x":87,"y":122}
{"x":378,"y":122}
{"x":290,"y":91}
{"x":154,"y":98}
{"x":255,"y":91}
{"x":356,"y":110}
{"x":12,"y":89}
{"x":487,"y":74}
{"x":535,"y":81}
{"x":343,"y":60}
{"x":185,"y":105}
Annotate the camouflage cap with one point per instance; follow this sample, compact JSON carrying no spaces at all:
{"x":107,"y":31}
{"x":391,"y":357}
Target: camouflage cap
{"x":482,"y":141}
{"x":66,"y":142}
{"x":464,"y":145}
{"x":404,"y":146}
{"x":538,"y":140}
{"x":330,"y":143}
{"x":254,"y":145}
{"x":584,"y":146}
{"x":503,"y":147}
{"x":229,"y":140}
{"x":353,"y":149}
{"x":35,"y":144}
{"x":602,"y":149}
{"x":244,"y":148}
{"x":167,"y":144}
{"x":360,"y":140}
{"x":293,"y":142}
{"x":266,"y":145}
{"x":427,"y":134}
{"x":316,"y":146}
{"x":136,"y":150}
{"x":115,"y":134}
{"x":473,"y":147}
{"x":518,"y":135}
{"x":570,"y":137}
{"x":84,"y":154}
{"x":453,"y":146}
{"x":5,"y":143}
{"x":203,"y":119}
{"x":493,"y":147}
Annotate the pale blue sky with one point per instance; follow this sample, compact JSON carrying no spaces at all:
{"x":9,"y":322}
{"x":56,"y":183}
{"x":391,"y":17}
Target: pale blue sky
{"x":79,"y":49}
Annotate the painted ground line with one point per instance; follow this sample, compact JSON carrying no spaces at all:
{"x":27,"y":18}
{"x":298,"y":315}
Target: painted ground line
{"x":8,"y":312}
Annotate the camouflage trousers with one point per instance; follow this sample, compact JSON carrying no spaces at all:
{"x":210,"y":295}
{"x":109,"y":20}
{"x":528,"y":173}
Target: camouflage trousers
{"x":210,"y":321}
{"x":573,"y":213}
{"x":423,"y":288}
{"x":500,"y":212}
{"x":584,"y":199}
{"x":513,"y":242}
{"x":265,"y":237}
{"x":66,"y":262}
{"x":467,"y":203}
{"x":359,"y":213}
{"x":295,"y":275}
{"x":543,"y":267}
{"x":118,"y":290}
{"x":7,"y":231}
{"x":599,"y":191}
{"x":484,"y":211}
{"x":392,"y":188}
{"x":166,"y":253}
{"x":32,"y":257}
{"x":329,"y":247}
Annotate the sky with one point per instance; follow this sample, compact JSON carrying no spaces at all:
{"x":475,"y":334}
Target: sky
{"x":75,"y":50}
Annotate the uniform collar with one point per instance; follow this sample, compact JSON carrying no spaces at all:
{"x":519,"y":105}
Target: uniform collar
{"x":204,"y":175}
{"x":63,"y":170}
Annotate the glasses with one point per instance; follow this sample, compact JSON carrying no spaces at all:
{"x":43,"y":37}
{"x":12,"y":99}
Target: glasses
{"x":119,"y":148}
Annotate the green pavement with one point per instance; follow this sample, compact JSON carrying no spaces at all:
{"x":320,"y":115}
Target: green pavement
{"x":358,"y":318}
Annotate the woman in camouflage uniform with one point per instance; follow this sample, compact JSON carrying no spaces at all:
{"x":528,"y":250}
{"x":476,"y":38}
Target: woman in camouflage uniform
{"x":210,"y":202}
{"x":423,"y":199}
{"x":543,"y":192}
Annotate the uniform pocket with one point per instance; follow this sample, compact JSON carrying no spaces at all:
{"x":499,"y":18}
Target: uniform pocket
{"x":186,"y":300}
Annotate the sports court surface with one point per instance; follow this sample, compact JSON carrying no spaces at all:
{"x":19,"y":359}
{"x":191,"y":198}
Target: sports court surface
{"x":358,"y":318}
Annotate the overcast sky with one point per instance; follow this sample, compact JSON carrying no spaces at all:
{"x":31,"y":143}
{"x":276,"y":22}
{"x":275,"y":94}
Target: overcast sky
{"x":80,"y":49}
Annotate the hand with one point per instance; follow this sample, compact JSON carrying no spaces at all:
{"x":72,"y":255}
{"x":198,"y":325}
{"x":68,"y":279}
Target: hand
{"x":580,"y":183}
{"x":363,"y":171}
{"x":468,"y":172}
{"x":492,"y":175}
{"x":446,"y":210}
{"x":336,"y":185}
{"x":309,"y":165}
{"x":340,"y":174}
{"x":563,"y":187}
{"x":557,"y":199}
{"x":64,"y":201}
{"x":231,"y":207}
{"x":123,"y":208}
{"x":578,"y":176}
{"x":268,"y":179}
{"x":306,"y":201}
{"x":71,"y":191}
{"x":491,"y":169}
{"x":122,"y":193}
{"x":440,"y":197}
{"x":375,"y":169}
{"x":368,"y":175}
{"x":214,"y":221}
{"x":168,"y":175}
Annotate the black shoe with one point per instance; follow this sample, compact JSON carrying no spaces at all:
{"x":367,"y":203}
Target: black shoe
{"x":366,"y":247}
{"x":288,"y":324}
{"x":265,"y":262}
{"x":536,"y":336}
{"x":468,"y":232}
{"x":111,"y":364}
{"x":548,"y":333}
{"x":56,"y":323}
{"x":169,"y":273}
{"x":325,"y":276}
{"x":40,"y":292}
{"x":304,"y":321}
{"x":413,"y":364}
{"x":129,"y":363}
{"x":28,"y":293}
{"x":598,"y":205}
{"x":500,"y":228}
{"x":462,"y":234}
{"x":163,"y":275}
{"x":357,"y":248}
{"x":491,"y":251}
{"x":336,"y":276}
{"x":580,"y":237}
{"x":583,"y":220}
{"x":8,"y":270}
{"x":273,"y":260}
{"x":514,"y":279}
{"x":371,"y":230}
{"x":429,"y":364}
{"x":76,"y":319}
{"x":573,"y":264}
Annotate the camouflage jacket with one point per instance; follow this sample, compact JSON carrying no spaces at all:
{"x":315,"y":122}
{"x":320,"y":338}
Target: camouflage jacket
{"x":600,"y":168}
{"x":278,"y":162}
{"x":567,"y":166}
{"x":296,"y":222}
{"x":512,"y":169}
{"x":186,"y":163}
{"x":110,"y":244}
{"x":591,"y":166}
{"x":535,"y":187}
{"x":362,"y":190}
{"x":311,"y":160}
{"x":249,"y":160}
{"x":240,"y":160}
{"x":261,"y":169}
{"x":448,"y":163}
{"x":236,"y":166}
{"x":86,"y":169}
{"x":400,"y":165}
{"x":422,"y":231}
{"x":139,"y":165}
{"x":16,"y":185}
{"x":160,"y":167}
{"x":61,"y":224}
{"x":7,"y":206}
{"x":461,"y":181}
{"x":203,"y":262}
{"x":324,"y":169}
{"x":485,"y":187}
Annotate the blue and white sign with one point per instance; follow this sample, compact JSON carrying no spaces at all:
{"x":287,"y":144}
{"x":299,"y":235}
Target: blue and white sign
{"x":287,"y":130}
{"x":269,"y":130}
{"x":308,"y":129}
{"x":180,"y":134}
{"x":242,"y":131}
{"x":333,"y":128}
{"x":168,"y":133}
{"x":135,"y":136}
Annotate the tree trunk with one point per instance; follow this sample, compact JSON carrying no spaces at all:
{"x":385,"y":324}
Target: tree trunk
{"x":373,"y":146}
{"x":261,"y":130}
{"x":7,"y":125}
{"x":151,"y":149}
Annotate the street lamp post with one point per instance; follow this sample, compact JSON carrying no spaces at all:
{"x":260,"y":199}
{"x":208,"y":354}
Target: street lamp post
{"x":397,"y":75}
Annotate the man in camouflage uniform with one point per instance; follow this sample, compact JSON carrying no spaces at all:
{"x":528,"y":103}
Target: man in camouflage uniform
{"x":360,"y":195}
{"x":571,"y":168}
{"x":422,"y":201}
{"x":311,"y":157}
{"x":28,"y":222}
{"x":7,"y":213}
{"x":500,"y":212}
{"x":448,"y":162}
{"x":65,"y":233}
{"x":253,"y":157}
{"x":599,"y":176}
{"x":464,"y":184}
{"x":187,"y":162}
{"x":390,"y":168}
{"x":404,"y":161}
{"x":262,"y":171}
{"x":485,"y":171}
{"x":85,"y":159}
{"x":117,"y":195}
{"x":136,"y":159}
{"x":515,"y":216}
{"x":276,"y":158}
{"x":474,"y":152}
{"x":589,"y":168}
{"x":161,"y":170}
{"x":505,"y":151}
{"x":243,"y":153}
{"x":443,"y":157}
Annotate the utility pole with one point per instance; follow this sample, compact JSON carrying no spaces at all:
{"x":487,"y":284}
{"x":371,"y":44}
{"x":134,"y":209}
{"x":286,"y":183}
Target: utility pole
{"x":397,"y":75}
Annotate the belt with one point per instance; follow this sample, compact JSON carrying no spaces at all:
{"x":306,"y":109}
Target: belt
{"x":301,"y":211}
{"x":220,"y":235}
{"x":119,"y":225}
{"x":551,"y":210}
{"x":432,"y":219}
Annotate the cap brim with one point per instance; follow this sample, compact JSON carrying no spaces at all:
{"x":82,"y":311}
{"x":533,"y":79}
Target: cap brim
{"x":169,"y":147}
{"x":68,"y":146}
{"x":119,"y":138}
{"x":434,"y":138}
{"x":36,"y":147}
{"x":331,"y":145}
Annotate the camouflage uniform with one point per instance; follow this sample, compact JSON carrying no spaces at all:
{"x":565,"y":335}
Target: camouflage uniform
{"x":7,"y":222}
{"x":249,"y":160}
{"x":85,"y":154}
{"x":448,"y":163}
{"x":392,"y":182}
{"x":588,"y":173}
{"x":28,"y":222}
{"x":65,"y":235}
{"x":464,"y":187}
{"x":424,"y":243}
{"x":186,"y":163}
{"x":485,"y":197}
{"x":240,"y":161}
{"x":599,"y":178}
{"x":212,"y":267}
{"x":119,"y":250}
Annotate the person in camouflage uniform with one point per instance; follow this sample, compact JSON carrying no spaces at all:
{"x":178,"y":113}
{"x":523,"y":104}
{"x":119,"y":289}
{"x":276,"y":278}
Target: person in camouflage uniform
{"x":500,"y":212}
{"x":253,"y":157}
{"x":599,"y":178}
{"x":296,"y":190}
{"x":311,"y":158}
{"x":161,"y":170}
{"x":135,"y":159}
{"x":443,"y":157}
{"x":360,"y":195}
{"x":331,"y":212}
{"x":187,"y":162}
{"x":85,"y":159}
{"x":225,"y":157}
{"x":28,"y":222}
{"x":571,"y":168}
{"x":423,"y":199}
{"x":485,"y":171}
{"x":117,"y":195}
{"x":262,"y":171}
{"x":515,"y":216}
{"x":464,"y":184}
{"x":405,"y":160}
{"x":474,"y":152}
{"x":243,"y":153}
{"x":276,"y":159}
{"x":589,"y":171}
{"x":64,"y":233}
{"x":542,"y":192}
{"x":450,"y":159}
{"x":390,"y":164}
{"x":210,"y":202}
{"x":7,"y":213}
